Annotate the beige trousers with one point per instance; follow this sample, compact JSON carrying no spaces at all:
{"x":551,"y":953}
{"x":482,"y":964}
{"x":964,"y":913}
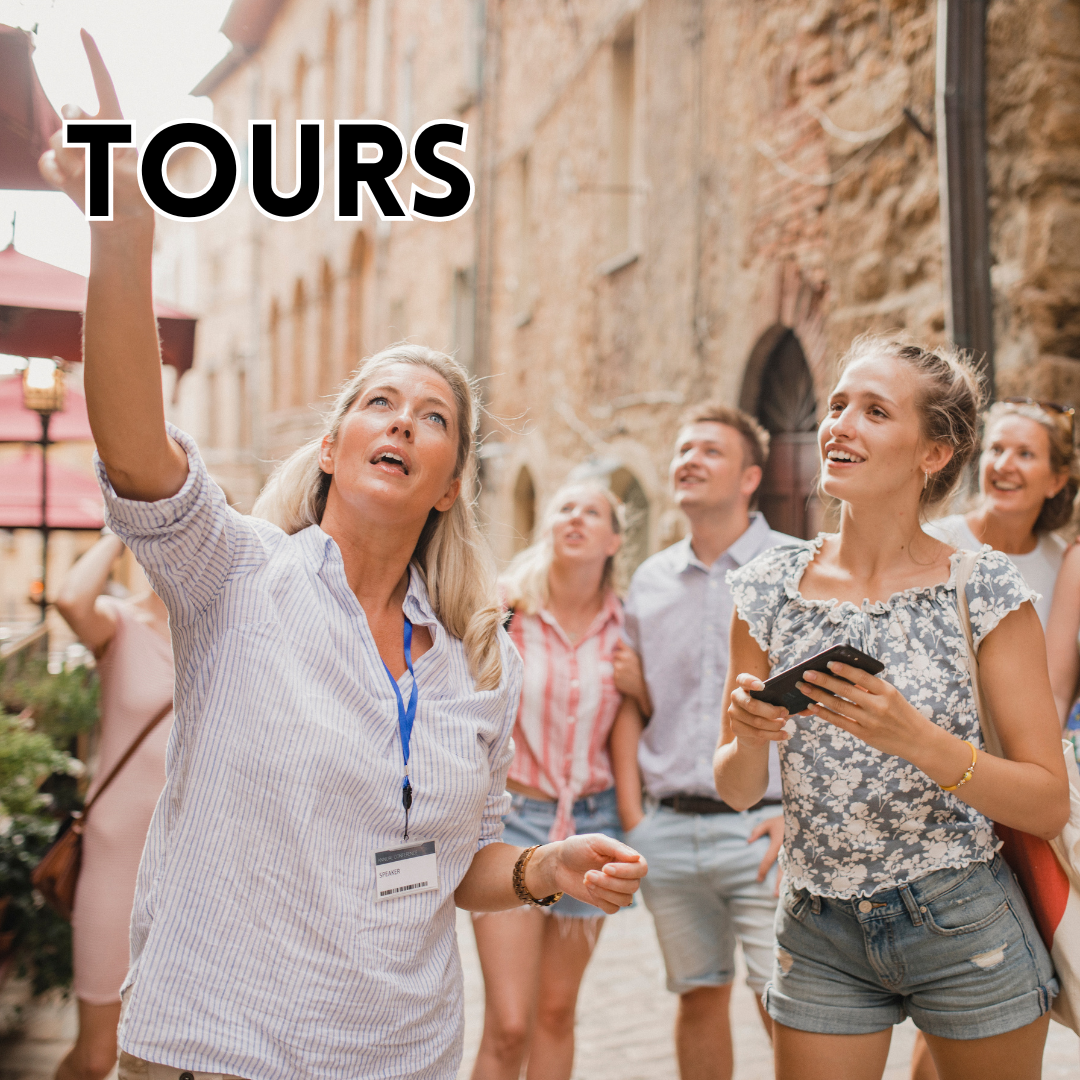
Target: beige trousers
{"x":133,"y":1068}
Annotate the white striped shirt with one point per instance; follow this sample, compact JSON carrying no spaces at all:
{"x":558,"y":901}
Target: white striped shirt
{"x":257,"y":948}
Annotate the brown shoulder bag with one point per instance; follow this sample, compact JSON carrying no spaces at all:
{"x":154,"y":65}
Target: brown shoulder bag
{"x":56,"y":876}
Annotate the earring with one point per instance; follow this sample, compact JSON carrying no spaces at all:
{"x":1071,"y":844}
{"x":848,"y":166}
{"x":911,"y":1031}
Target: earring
{"x":926,"y":480}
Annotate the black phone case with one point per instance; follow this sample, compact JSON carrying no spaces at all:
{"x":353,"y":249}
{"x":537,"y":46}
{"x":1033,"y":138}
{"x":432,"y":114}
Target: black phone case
{"x":781,"y":689}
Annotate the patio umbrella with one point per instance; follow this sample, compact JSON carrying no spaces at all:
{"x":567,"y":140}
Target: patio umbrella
{"x":74,"y":498}
{"x":27,"y":120}
{"x":20,"y":424}
{"x":41,"y":309}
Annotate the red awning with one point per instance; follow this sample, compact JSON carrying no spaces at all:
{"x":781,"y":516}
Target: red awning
{"x":74,"y":497}
{"x":19,"y":424}
{"x":41,"y":309}
{"x":27,"y":119}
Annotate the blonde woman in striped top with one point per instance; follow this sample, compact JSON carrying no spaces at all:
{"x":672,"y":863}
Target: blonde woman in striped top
{"x":570,"y":744}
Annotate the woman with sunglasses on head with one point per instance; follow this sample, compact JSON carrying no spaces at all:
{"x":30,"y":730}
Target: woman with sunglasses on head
{"x":895,"y":902}
{"x":294,"y":912}
{"x":571,"y":750}
{"x":1028,"y":478}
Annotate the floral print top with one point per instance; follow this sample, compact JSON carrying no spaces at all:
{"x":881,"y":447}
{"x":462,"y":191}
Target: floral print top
{"x":857,"y":820}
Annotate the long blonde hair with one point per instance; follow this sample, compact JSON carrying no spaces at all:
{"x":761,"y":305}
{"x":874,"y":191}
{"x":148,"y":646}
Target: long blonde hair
{"x":525,"y":581}
{"x":451,"y":555}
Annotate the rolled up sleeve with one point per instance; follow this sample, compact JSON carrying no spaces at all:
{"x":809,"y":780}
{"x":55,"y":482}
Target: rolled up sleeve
{"x":188,"y":544}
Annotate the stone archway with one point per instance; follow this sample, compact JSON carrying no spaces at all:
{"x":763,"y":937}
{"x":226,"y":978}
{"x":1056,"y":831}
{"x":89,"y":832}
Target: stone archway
{"x":636,"y":548}
{"x":778,"y":389}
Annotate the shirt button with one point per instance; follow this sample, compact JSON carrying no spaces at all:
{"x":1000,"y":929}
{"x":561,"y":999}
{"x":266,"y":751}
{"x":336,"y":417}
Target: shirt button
{"x":187,"y":1076}
{"x":574,"y":683}
{"x":865,"y":906}
{"x":714,"y":584}
{"x":571,"y":719}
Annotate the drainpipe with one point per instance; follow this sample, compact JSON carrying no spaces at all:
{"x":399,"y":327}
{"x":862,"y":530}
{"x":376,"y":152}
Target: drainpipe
{"x":965,"y":213}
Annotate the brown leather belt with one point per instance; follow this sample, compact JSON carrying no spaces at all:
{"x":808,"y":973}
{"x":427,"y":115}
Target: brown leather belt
{"x":702,"y":804}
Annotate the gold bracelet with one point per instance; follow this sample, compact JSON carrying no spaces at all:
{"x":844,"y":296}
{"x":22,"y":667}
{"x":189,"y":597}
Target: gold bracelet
{"x":523,"y":893}
{"x":967,"y":775}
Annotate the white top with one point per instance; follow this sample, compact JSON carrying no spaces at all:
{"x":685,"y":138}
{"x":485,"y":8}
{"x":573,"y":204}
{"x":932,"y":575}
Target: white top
{"x":257,"y":947}
{"x":1039,"y":567}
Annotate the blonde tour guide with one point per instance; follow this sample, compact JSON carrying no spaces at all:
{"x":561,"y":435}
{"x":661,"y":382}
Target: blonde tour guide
{"x":345,"y":695}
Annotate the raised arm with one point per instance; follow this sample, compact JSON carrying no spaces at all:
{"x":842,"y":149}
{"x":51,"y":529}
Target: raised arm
{"x":1062,"y":630}
{"x":747,"y":726}
{"x":121,"y":351}
{"x":93,"y":622}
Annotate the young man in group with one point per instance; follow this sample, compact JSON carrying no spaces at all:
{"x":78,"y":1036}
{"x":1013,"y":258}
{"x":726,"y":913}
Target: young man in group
{"x":712,"y":878}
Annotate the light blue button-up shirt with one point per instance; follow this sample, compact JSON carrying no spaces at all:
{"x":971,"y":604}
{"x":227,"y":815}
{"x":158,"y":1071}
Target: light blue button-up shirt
{"x":257,"y":947}
{"x":678,"y":618}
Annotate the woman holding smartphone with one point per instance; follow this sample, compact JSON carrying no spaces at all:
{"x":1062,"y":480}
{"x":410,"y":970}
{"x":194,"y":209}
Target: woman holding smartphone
{"x":895,"y":902}
{"x":294,"y":913}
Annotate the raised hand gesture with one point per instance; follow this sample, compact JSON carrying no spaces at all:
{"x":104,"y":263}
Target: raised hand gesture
{"x":65,"y":167}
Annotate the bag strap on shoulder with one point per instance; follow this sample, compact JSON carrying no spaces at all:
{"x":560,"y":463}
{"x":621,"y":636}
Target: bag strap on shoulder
{"x":158,"y":717}
{"x":991,"y":742}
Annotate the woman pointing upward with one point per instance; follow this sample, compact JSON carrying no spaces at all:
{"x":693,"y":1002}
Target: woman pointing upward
{"x":345,"y":696}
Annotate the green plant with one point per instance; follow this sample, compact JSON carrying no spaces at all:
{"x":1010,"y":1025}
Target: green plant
{"x":64,"y":705}
{"x":42,"y":940}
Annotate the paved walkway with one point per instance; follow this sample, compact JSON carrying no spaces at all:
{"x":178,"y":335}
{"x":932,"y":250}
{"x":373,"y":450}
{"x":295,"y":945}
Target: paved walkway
{"x":624,"y":1020}
{"x":625,"y":1015}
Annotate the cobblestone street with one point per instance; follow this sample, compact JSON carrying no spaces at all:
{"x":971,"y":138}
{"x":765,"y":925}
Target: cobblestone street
{"x":625,"y":1019}
{"x":625,"y":1015}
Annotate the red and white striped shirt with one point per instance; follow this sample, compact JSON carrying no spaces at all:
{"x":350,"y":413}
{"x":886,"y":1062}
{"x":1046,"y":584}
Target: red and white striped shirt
{"x":568,"y":707}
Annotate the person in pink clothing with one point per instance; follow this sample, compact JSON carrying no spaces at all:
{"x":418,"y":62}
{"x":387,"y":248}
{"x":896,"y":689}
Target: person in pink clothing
{"x":130,"y":640}
{"x":571,"y":751}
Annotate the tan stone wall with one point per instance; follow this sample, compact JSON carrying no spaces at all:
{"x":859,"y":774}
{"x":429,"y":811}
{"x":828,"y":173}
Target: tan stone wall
{"x":746,"y":213}
{"x":1033,"y":137}
{"x":341,"y":290}
{"x":664,"y":185}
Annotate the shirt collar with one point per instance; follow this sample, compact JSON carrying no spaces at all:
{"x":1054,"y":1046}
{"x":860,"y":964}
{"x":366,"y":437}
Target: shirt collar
{"x":322,"y":552}
{"x":752,"y":542}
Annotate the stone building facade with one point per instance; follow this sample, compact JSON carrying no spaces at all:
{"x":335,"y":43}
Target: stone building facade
{"x":676,"y":199}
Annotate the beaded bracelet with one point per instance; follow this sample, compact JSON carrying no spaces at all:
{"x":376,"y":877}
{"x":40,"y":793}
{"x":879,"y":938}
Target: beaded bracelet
{"x":967,"y":775}
{"x":523,"y":893}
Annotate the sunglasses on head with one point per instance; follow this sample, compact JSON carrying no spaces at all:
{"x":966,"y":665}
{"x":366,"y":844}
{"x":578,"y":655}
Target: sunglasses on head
{"x":1054,"y":407}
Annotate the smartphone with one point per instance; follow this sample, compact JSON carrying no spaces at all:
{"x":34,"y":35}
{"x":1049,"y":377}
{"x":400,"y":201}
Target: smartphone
{"x":781,"y":689}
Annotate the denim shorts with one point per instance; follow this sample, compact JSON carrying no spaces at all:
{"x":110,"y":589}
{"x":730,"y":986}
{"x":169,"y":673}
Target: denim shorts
{"x":704,"y":895}
{"x":530,"y":821}
{"x":957,"y":951}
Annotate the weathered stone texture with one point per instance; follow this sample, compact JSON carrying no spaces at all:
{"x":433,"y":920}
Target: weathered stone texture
{"x":664,"y":186}
{"x":1033,"y":142}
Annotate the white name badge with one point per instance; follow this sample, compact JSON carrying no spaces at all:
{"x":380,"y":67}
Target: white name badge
{"x":406,"y":869}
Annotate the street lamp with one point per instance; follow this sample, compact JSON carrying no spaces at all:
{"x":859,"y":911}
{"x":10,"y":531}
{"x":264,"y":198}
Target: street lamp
{"x":43,"y":392}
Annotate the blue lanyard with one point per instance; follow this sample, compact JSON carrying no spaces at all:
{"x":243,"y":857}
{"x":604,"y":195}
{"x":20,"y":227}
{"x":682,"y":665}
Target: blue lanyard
{"x":406,"y":716}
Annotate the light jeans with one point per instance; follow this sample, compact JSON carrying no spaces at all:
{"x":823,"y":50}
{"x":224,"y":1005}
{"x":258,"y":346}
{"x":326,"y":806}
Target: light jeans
{"x":133,"y":1068}
{"x":703,"y":892}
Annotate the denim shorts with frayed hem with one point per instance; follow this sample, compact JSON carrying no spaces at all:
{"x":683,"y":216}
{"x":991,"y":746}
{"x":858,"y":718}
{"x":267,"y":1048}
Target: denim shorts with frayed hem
{"x":957,"y":951}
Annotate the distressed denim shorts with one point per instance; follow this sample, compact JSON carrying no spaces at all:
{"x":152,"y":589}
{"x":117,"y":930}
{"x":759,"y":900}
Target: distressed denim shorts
{"x":530,"y":821}
{"x":957,"y":951}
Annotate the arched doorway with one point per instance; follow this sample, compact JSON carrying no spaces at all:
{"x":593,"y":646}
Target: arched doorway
{"x":784,"y":402}
{"x":636,"y":548}
{"x":524,"y":510}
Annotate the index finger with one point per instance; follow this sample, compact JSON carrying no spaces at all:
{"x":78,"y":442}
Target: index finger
{"x":108,"y":102}
{"x":854,"y":675}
